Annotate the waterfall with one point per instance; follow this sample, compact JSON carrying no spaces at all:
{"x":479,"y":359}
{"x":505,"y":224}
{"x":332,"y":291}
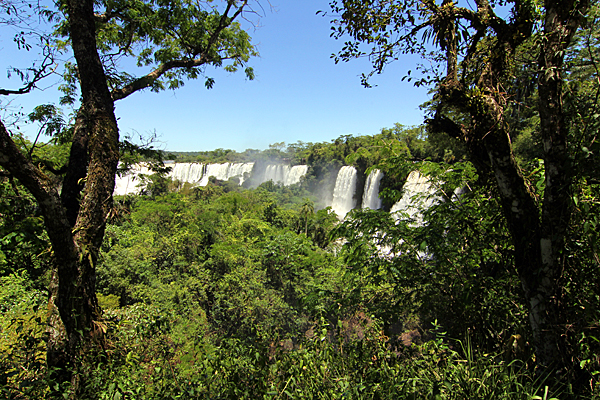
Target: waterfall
{"x":225,"y":171}
{"x":284,"y":174}
{"x":187,"y":172}
{"x":239,"y":170}
{"x":295,"y":174}
{"x":343,"y":193}
{"x":371,"y":194}
{"x":196,"y":173}
{"x":128,"y":183}
{"x":418,"y":194}
{"x":276,"y":173}
{"x":219,"y":171}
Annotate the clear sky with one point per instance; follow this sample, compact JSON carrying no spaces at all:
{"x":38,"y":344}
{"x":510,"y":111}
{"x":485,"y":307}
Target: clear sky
{"x":299,"y":92}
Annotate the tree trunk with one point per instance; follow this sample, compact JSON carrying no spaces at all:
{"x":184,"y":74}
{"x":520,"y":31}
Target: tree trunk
{"x":75,"y":228}
{"x":73,"y":182}
{"x":95,"y":147}
{"x":538,"y":237}
{"x":65,"y":253}
{"x":562,"y":19}
{"x":488,"y":141}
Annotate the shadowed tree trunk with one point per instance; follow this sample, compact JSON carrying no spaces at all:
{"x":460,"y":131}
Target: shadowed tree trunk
{"x":537,"y":237}
{"x":473,"y":101}
{"x":98,"y":134}
{"x":75,"y":227}
{"x":76,"y":219}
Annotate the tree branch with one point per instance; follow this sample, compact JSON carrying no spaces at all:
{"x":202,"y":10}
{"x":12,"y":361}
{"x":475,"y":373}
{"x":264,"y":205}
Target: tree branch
{"x":42,"y":188}
{"x":40,"y":74}
{"x":147,"y":80}
{"x":441,"y":124}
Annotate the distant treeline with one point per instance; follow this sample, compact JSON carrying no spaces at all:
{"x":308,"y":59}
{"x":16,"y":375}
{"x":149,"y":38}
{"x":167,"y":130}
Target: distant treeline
{"x":412,"y":141}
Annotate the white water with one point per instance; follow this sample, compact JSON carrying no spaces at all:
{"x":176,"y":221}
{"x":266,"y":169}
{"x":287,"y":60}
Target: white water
{"x":284,"y":174}
{"x":187,"y":172}
{"x":276,"y":173}
{"x":128,"y":184}
{"x":194,"y":173}
{"x":295,"y":174}
{"x":343,"y":193}
{"x":239,"y":170}
{"x":219,"y":171}
{"x":418,"y":195}
{"x":225,"y":171}
{"x":371,"y":194}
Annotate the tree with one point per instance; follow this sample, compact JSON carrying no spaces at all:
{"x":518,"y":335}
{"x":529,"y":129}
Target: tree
{"x":472,"y":97}
{"x":179,"y":36}
{"x":306,"y":213}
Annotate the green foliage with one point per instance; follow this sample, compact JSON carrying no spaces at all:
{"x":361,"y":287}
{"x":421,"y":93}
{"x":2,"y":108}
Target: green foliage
{"x":247,"y":294}
{"x":245,"y":267}
{"x":51,"y":122}
{"x":322,"y":365}
{"x":243,"y":293}
{"x":23,"y":242}
{"x":456,"y":265}
{"x":244,"y":306}
{"x":227,"y":293}
{"x":183,"y":37}
{"x":22,"y":347}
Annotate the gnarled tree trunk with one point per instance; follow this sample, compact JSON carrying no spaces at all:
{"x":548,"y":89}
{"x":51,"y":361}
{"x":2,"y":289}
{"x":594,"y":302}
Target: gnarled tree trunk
{"x":95,"y":147}
{"x":538,"y":237}
{"x":75,"y":227}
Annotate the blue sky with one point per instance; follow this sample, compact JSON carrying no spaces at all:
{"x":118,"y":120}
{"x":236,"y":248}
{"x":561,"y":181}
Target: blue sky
{"x":299,"y":92}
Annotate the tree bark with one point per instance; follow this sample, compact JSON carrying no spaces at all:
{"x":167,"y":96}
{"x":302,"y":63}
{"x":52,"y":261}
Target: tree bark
{"x":95,"y":147}
{"x":75,"y":227}
{"x":538,"y":237}
{"x":65,"y":253}
{"x":77,"y":167}
{"x":546,"y":314}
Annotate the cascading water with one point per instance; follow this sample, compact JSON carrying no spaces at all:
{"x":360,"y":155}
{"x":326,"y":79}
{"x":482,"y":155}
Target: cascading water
{"x":239,"y":170}
{"x":418,"y":195}
{"x":128,"y":184}
{"x":284,"y":174}
{"x":187,"y":172}
{"x":276,"y":173}
{"x":343,"y":193}
{"x":219,"y":171}
{"x":295,"y":174}
{"x":194,"y":173}
{"x":225,"y":171}
{"x":371,"y":194}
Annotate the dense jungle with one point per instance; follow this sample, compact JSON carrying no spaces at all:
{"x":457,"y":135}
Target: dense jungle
{"x":489,"y":287}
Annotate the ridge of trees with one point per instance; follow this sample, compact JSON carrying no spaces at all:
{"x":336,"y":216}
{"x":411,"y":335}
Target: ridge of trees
{"x":418,"y":144}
